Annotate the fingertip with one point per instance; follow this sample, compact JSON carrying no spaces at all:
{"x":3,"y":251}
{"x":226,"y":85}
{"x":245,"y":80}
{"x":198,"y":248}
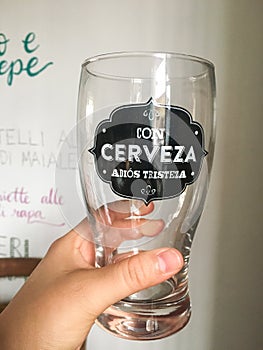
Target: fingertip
{"x":170,"y":261}
{"x":151,"y":228}
{"x":145,"y":209}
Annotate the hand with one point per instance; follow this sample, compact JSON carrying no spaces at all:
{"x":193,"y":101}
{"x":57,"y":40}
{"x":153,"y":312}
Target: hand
{"x":121,"y":221}
{"x":60,"y":301}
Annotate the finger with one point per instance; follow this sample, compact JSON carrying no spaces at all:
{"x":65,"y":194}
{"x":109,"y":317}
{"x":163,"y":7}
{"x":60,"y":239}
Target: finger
{"x":122,"y":210}
{"x":129,"y":229}
{"x":130,"y":275}
{"x":126,"y":208}
{"x":140,"y":227}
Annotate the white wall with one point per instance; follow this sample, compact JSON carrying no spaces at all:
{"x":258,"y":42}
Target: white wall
{"x":226,"y":261}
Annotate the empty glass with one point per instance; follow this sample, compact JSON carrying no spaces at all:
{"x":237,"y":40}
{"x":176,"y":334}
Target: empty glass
{"x":145,"y":141}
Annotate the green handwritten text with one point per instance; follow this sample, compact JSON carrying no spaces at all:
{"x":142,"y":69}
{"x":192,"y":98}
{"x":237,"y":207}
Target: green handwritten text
{"x":17,"y":67}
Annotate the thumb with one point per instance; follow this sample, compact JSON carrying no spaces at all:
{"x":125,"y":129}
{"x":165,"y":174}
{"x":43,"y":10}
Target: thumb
{"x":130,"y":275}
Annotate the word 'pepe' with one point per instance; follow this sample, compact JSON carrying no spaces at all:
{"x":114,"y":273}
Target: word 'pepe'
{"x":16,"y":67}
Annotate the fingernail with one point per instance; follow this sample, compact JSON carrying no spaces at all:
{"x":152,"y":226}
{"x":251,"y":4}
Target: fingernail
{"x":170,"y":260}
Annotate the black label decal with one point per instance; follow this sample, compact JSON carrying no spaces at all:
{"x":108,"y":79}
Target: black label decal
{"x":149,"y":151}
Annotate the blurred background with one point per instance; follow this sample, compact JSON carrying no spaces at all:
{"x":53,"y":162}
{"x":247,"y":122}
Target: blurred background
{"x":43,"y":44}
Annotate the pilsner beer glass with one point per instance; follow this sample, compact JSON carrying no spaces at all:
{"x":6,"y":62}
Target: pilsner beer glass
{"x":145,"y":145}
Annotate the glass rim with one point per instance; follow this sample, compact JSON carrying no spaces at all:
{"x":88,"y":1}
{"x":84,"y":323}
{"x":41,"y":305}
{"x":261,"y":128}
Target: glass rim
{"x":207,"y":64}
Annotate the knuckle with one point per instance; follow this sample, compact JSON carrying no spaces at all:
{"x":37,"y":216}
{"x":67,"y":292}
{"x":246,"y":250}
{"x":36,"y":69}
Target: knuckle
{"x":55,"y":246}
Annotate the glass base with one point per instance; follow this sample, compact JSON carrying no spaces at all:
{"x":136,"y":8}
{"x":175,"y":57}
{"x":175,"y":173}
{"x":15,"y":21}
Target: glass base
{"x":146,"y":321}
